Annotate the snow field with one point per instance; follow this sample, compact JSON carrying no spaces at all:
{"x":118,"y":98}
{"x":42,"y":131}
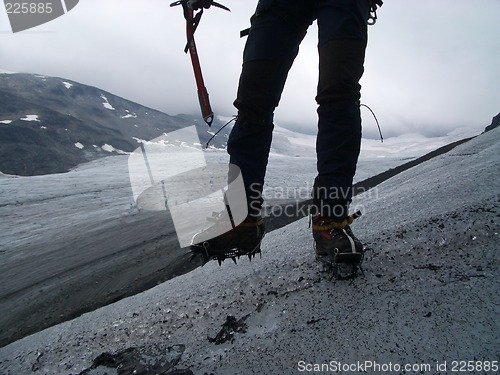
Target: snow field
{"x":429,"y":294}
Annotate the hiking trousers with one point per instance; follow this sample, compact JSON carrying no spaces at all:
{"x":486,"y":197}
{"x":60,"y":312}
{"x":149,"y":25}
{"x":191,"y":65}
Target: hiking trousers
{"x":277,"y":29}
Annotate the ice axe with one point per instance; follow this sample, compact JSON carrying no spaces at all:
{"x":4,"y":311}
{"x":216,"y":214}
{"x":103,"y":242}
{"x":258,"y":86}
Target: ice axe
{"x":192,"y":20}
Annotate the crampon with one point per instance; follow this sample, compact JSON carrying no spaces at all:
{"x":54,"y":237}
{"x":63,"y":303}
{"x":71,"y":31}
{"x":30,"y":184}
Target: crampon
{"x":336,"y":247}
{"x":343,"y":266}
{"x":203,"y":251}
{"x":243,"y":240}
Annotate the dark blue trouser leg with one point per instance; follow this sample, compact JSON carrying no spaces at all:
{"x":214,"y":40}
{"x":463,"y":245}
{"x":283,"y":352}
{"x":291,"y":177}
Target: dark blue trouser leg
{"x":337,"y":149}
{"x":277,"y":30}
{"x":270,"y":50}
{"x":342,"y":43}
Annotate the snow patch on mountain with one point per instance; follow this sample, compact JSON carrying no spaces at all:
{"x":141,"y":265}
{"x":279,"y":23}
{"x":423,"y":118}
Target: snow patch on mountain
{"x":30,"y":118}
{"x":68,"y":85}
{"x":129,"y":114}
{"x":106,"y":103}
{"x":5,"y":121}
{"x":5,"y":71}
{"x":79,"y":145}
{"x":110,"y":148}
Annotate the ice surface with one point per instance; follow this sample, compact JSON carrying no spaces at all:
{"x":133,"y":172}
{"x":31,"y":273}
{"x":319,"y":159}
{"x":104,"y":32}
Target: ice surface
{"x":429,"y":294}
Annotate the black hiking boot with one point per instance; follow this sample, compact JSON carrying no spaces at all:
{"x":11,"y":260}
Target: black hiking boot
{"x":336,"y":246}
{"x":243,"y":239}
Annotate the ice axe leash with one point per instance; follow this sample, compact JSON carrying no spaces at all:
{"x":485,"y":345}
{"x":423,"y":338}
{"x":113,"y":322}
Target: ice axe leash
{"x":192,"y":21}
{"x":376,"y":120}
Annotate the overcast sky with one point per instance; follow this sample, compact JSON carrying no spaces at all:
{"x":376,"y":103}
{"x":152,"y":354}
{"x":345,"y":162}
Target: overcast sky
{"x":432,"y":65}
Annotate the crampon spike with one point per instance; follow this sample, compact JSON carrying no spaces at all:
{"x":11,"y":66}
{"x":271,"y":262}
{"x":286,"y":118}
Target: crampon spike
{"x":340,"y":271}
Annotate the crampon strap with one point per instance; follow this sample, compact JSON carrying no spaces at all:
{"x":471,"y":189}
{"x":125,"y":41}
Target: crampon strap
{"x":332,"y":224}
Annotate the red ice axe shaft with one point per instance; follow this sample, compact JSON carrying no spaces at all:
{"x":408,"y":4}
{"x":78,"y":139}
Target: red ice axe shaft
{"x":206,"y":109}
{"x":192,"y":22}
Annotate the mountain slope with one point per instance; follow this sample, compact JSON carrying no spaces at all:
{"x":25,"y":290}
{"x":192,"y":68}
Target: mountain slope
{"x":429,"y":294}
{"x":49,"y":125}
